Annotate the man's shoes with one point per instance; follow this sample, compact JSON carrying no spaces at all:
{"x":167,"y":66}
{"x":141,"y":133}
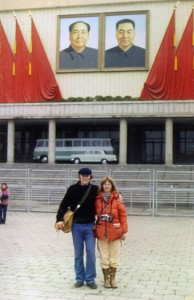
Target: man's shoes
{"x":78,"y":284}
{"x":93,"y":286}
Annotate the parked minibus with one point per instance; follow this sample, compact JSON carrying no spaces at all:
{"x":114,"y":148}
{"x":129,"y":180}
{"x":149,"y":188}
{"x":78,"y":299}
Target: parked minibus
{"x":76,"y":150}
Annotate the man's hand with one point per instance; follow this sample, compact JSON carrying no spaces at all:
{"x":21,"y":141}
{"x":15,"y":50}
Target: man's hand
{"x":59,"y":225}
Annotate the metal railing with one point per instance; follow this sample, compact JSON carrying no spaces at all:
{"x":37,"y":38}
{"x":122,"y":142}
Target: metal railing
{"x":147,"y":192}
{"x":174,"y":193}
{"x":136,"y":188}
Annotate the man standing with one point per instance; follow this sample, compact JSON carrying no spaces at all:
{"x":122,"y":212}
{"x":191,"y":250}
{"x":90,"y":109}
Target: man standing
{"x":126,"y":54}
{"x":82,"y":228}
{"x":77,"y":55}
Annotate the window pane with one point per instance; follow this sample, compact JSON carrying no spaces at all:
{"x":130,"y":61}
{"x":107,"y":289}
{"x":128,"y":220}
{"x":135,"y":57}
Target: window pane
{"x":86,"y":143}
{"x":105,"y":143}
{"x":59,"y":143}
{"x":68,"y":143}
{"x":77,"y":143}
{"x":96,"y":143}
{"x":40,"y":144}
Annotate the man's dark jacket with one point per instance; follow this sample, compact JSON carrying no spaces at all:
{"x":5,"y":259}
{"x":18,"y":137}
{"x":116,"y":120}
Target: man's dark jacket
{"x":86,"y":213}
{"x":117,"y":58}
{"x":70,"y":59}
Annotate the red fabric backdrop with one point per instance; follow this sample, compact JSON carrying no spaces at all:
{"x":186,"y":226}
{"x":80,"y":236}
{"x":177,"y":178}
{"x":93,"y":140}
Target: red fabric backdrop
{"x":161,"y":79}
{"x":25,"y":75}
{"x":185,"y":70}
{"x":172,"y":73}
{"x":6,"y":65}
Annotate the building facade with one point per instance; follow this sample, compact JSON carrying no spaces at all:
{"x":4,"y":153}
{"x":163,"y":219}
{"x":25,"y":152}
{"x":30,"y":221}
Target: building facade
{"x":151,"y":131}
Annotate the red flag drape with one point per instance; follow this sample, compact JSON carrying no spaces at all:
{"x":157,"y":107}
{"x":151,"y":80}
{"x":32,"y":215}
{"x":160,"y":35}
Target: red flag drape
{"x":44,"y":85}
{"x":160,"y":82}
{"x":185,"y":58}
{"x":22,"y":58}
{"x":7,"y":60}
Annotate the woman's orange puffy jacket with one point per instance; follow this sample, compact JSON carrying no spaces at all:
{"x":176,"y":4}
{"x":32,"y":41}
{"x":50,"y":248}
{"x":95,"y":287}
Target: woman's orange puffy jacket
{"x":111,"y":230}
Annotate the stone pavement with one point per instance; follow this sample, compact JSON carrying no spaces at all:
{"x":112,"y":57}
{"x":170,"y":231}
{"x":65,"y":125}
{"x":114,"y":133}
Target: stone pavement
{"x":36,"y":263}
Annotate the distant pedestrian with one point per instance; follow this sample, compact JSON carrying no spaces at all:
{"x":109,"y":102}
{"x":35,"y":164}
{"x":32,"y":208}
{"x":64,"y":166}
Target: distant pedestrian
{"x":4,"y":196}
{"x":111,"y":227}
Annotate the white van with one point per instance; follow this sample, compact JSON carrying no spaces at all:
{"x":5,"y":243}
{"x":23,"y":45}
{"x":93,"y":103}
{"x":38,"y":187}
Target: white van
{"x":74,"y":150}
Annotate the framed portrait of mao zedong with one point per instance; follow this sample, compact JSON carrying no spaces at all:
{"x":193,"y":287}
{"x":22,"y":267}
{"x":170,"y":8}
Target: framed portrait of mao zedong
{"x":78,"y":43}
{"x":126,"y":41}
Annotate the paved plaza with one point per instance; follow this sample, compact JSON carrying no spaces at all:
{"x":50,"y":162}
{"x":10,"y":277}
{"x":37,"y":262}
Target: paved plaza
{"x":36,"y":263}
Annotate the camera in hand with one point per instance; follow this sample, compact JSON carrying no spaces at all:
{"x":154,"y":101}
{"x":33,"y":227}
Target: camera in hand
{"x":106,"y":217}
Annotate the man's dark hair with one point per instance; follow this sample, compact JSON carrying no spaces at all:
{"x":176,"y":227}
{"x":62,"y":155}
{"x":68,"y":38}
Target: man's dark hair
{"x":71,"y":26}
{"x":125,"y":21}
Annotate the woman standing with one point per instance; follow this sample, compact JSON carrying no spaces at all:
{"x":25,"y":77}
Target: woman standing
{"x":111,"y":227}
{"x":4,"y":202}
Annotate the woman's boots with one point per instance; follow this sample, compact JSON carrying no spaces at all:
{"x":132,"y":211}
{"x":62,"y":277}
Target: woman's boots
{"x":112,"y":277}
{"x":106,"y":273}
{"x":109,"y":277}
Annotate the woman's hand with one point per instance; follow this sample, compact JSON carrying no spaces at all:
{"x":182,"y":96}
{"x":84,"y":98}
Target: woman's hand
{"x":123,"y":237}
{"x":59,"y":225}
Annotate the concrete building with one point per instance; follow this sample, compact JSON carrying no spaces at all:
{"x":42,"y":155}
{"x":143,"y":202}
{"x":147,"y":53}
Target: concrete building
{"x":156,"y":131}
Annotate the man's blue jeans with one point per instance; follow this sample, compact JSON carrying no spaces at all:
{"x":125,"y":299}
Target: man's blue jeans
{"x":83,"y":238}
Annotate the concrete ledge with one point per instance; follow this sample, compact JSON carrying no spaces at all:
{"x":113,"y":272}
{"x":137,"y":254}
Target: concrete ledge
{"x":87,"y":110}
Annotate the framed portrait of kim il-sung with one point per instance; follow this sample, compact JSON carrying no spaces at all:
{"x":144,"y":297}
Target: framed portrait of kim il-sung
{"x":126,"y":41}
{"x":78,"y":43}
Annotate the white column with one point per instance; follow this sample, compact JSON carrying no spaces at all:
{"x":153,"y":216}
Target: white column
{"x":10,"y":141}
{"x":52,"y":137}
{"x":123,"y":142}
{"x":169,"y":141}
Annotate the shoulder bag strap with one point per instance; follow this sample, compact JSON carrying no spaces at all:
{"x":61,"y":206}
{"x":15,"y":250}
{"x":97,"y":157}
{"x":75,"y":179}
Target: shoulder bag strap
{"x":84,"y":197}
